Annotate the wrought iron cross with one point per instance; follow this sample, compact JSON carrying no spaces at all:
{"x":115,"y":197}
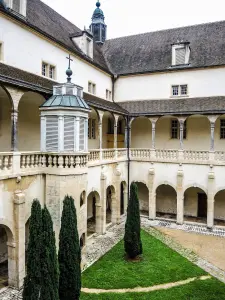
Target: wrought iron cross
{"x":70,"y":59}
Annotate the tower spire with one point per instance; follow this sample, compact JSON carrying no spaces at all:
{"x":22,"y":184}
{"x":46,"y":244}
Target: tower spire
{"x":98,"y":26}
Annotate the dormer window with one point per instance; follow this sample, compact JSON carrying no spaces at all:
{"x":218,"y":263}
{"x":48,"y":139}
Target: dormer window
{"x":19,"y":7}
{"x":180,"y":54}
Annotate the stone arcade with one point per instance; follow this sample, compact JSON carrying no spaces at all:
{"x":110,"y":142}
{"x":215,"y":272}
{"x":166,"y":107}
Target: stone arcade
{"x":147,"y":108}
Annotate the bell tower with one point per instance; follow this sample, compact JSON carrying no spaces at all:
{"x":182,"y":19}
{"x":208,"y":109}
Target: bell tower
{"x":98,"y":26}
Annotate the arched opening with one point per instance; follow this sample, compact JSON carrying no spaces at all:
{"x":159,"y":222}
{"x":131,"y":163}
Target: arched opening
{"x":197,"y":126}
{"x":143,"y":196}
{"x":5,"y":120}
{"x":121,"y":123}
{"x":82,"y":241}
{"x":29,"y":122}
{"x":123,"y":194}
{"x":195,"y":205}
{"x":93,"y":133}
{"x":5,"y":259}
{"x":110,"y":199}
{"x":91,"y":213}
{"x":166,"y":202}
{"x":167,"y":133}
{"x":219,"y":208}
{"x":82,"y":198}
{"x":141,"y":133}
{"x":108,"y":130}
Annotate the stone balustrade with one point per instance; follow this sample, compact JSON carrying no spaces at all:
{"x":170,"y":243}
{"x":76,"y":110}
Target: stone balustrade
{"x":13,"y":163}
{"x":6,"y":160}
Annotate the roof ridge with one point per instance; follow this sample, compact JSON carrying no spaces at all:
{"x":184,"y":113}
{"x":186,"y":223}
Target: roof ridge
{"x":167,"y":29}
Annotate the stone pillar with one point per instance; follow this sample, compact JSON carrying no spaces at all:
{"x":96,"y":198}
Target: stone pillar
{"x":180,"y":196}
{"x":153,"y":121}
{"x":14,"y":131}
{"x":210,"y":198}
{"x":100,"y":113}
{"x":212,"y":130}
{"x":43,"y":134}
{"x":115,"y":136}
{"x":129,"y":129}
{"x":181,"y":122}
{"x":152,"y":194}
{"x":17,"y":249}
{"x":126,"y":137}
{"x":212,"y":119}
{"x":116,"y":198}
{"x":103,"y":202}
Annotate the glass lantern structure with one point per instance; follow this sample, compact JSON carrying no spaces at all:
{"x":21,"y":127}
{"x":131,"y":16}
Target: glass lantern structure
{"x":64,"y":120}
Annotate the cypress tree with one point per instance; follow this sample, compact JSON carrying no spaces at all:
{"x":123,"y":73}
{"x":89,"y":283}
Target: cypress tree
{"x":132,"y":237}
{"x":49,"y":262}
{"x":33,"y":279}
{"x":69,"y":253}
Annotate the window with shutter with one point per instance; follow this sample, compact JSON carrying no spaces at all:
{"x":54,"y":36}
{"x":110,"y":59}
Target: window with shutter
{"x":82,"y":134}
{"x":16,"y":5}
{"x":180,"y":56}
{"x":52,"y":134}
{"x":69,"y":134}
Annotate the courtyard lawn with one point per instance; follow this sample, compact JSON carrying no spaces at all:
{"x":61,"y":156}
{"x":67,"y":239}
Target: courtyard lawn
{"x":210,"y":289}
{"x":160,"y":265}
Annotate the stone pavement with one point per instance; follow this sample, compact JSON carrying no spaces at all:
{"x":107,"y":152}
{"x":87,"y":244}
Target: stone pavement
{"x":99,"y":245}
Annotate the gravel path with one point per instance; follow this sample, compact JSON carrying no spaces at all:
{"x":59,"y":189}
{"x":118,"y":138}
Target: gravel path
{"x":145,"y":289}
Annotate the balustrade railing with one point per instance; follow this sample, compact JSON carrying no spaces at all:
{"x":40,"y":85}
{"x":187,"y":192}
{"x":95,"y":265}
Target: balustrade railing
{"x":166,"y":154}
{"x":6,"y":162}
{"x":108,"y":154}
{"x":141,"y":153}
{"x":196,"y":155}
{"x":94,"y":155}
{"x":17,"y":163}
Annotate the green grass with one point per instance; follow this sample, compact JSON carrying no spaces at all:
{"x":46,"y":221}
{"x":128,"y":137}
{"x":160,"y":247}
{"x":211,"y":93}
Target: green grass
{"x":160,"y":265}
{"x":210,"y":289}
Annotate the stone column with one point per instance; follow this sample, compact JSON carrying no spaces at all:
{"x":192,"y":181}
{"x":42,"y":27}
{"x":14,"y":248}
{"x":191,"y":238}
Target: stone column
{"x":152,"y":194}
{"x":212,"y":120}
{"x":212,"y":130}
{"x":116,"y":198}
{"x":103,"y":202}
{"x":125,"y":195}
{"x":125,"y":137}
{"x":14,"y":131}
{"x":43,"y":133}
{"x":210,"y":198}
{"x":17,"y":249}
{"x":100,"y":113}
{"x":181,"y":122}
{"x":180,"y":196}
{"x":129,"y":128}
{"x":153,"y":121}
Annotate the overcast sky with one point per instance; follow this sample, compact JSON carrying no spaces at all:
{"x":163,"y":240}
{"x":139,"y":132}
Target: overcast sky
{"x":126,"y":17}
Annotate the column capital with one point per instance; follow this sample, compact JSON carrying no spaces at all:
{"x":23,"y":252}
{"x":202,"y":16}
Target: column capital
{"x":181,"y":120}
{"x":153,"y":120}
{"x":213,"y":118}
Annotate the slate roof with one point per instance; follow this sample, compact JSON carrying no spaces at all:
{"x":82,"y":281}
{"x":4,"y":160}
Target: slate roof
{"x":176,"y":106}
{"x":151,"y":52}
{"x":18,"y":77}
{"x":47,"y":21}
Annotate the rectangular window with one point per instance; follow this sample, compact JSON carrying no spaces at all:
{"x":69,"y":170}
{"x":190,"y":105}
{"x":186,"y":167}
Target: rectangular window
{"x":88,"y":50}
{"x":108,"y":95}
{"x":52,"y":72}
{"x":174,"y":129}
{"x":44,"y":69}
{"x":180,"y":90}
{"x":48,"y":70}
{"x":180,"y":56}
{"x":91,"y":88}
{"x":222,"y":128}
{"x":92,"y":129}
{"x":175,"y":90}
{"x":183,"y":89}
